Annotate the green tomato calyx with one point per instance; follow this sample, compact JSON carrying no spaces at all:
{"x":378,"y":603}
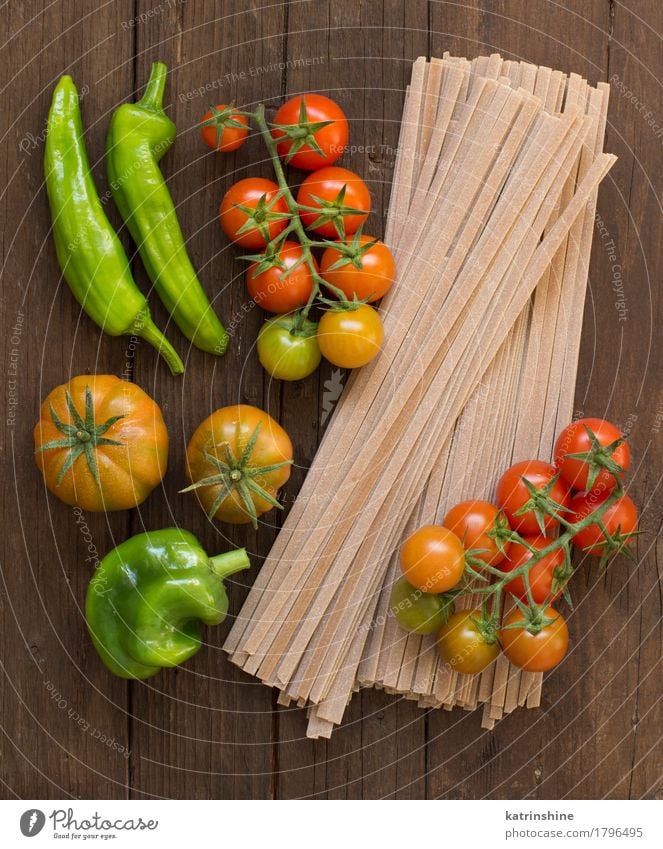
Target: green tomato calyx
{"x":81,"y":437}
{"x":236,"y":473}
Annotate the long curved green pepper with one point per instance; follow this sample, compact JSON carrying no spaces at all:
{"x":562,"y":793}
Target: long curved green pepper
{"x":139,"y":135}
{"x":91,"y":256}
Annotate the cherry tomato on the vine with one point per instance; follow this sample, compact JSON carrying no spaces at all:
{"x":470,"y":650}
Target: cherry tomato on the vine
{"x":350,"y":338}
{"x":284,"y":354}
{"x":620,"y":519}
{"x":278,"y":289}
{"x":512,"y":494}
{"x":535,"y":652}
{"x":331,"y":191}
{"x":462,"y":645}
{"x":432,"y":559}
{"x":311,"y":109}
{"x":369,"y":279}
{"x":542,"y":575}
{"x":224,"y":128}
{"x":416,"y":611}
{"x":578,"y":471}
{"x":271,"y":212}
{"x":473,"y":521}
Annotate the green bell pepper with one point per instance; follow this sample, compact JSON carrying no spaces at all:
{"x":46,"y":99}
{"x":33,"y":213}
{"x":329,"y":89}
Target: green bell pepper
{"x":138,"y":136}
{"x":148,"y":597}
{"x":91,"y":256}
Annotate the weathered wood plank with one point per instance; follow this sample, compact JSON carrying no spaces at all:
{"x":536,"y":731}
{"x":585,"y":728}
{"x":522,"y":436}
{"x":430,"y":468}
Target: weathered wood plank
{"x":616,"y":752}
{"x":206,"y":731}
{"x":64,"y":718}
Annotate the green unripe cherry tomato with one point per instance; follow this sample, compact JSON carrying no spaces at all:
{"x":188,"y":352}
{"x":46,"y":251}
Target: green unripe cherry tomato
{"x":418,"y":612}
{"x":286,"y":355}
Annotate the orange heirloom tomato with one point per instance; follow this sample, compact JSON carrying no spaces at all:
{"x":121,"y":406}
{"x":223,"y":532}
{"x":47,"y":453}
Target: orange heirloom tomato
{"x":224,"y":128}
{"x":350,"y":338}
{"x":101,"y":443}
{"x":432,"y":559}
{"x":535,"y":652}
{"x":237,"y":460}
{"x":472,"y":521}
{"x":369,"y":280}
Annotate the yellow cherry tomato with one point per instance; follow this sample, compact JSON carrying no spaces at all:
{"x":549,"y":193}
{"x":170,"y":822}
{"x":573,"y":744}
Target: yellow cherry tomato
{"x":350,"y":338}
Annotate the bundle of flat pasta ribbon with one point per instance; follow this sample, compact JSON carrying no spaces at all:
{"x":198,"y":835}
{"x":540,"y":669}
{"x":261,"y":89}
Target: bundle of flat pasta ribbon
{"x":488,"y":186}
{"x":526,"y":395}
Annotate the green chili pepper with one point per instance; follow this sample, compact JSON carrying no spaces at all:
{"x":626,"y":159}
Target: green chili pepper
{"x":91,"y":256}
{"x":138,"y":136}
{"x":148,"y":597}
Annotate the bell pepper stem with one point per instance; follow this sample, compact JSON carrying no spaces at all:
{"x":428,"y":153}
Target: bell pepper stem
{"x":227,"y":564}
{"x":153,"y":96}
{"x":147,"y":330}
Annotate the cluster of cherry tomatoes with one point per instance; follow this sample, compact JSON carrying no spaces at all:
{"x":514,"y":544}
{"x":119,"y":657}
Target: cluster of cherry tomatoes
{"x":351,"y":269}
{"x":520,"y":546}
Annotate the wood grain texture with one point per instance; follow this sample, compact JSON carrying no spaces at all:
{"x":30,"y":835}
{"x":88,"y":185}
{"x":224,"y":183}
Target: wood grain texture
{"x":207,"y":730}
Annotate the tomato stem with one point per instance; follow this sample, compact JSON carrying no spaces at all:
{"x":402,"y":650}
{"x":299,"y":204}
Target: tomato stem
{"x":235,"y":473}
{"x":295,"y":225}
{"x":492,"y":594}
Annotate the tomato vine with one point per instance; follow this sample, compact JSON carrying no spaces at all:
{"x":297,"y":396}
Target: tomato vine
{"x":478,"y":570}
{"x":351,"y":252}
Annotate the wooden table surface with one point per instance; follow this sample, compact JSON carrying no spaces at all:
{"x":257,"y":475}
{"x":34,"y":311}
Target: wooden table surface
{"x":207,"y":730}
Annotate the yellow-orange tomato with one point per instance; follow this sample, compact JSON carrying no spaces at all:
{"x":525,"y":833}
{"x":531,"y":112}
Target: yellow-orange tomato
{"x":101,"y":443}
{"x":350,"y":338}
{"x":462,"y":645}
{"x":225,"y":470}
{"x":432,"y":559}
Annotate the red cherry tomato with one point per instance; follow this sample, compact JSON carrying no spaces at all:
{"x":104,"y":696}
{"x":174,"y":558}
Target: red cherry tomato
{"x":256,"y":193}
{"x":223,"y":128}
{"x":620,"y":517}
{"x":535,"y":652}
{"x":512,"y":494}
{"x":331,"y":139}
{"x":281,"y":290}
{"x":473,"y":521}
{"x":541,"y":574}
{"x":575,"y":439}
{"x":370,"y":281}
{"x":328,"y":191}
